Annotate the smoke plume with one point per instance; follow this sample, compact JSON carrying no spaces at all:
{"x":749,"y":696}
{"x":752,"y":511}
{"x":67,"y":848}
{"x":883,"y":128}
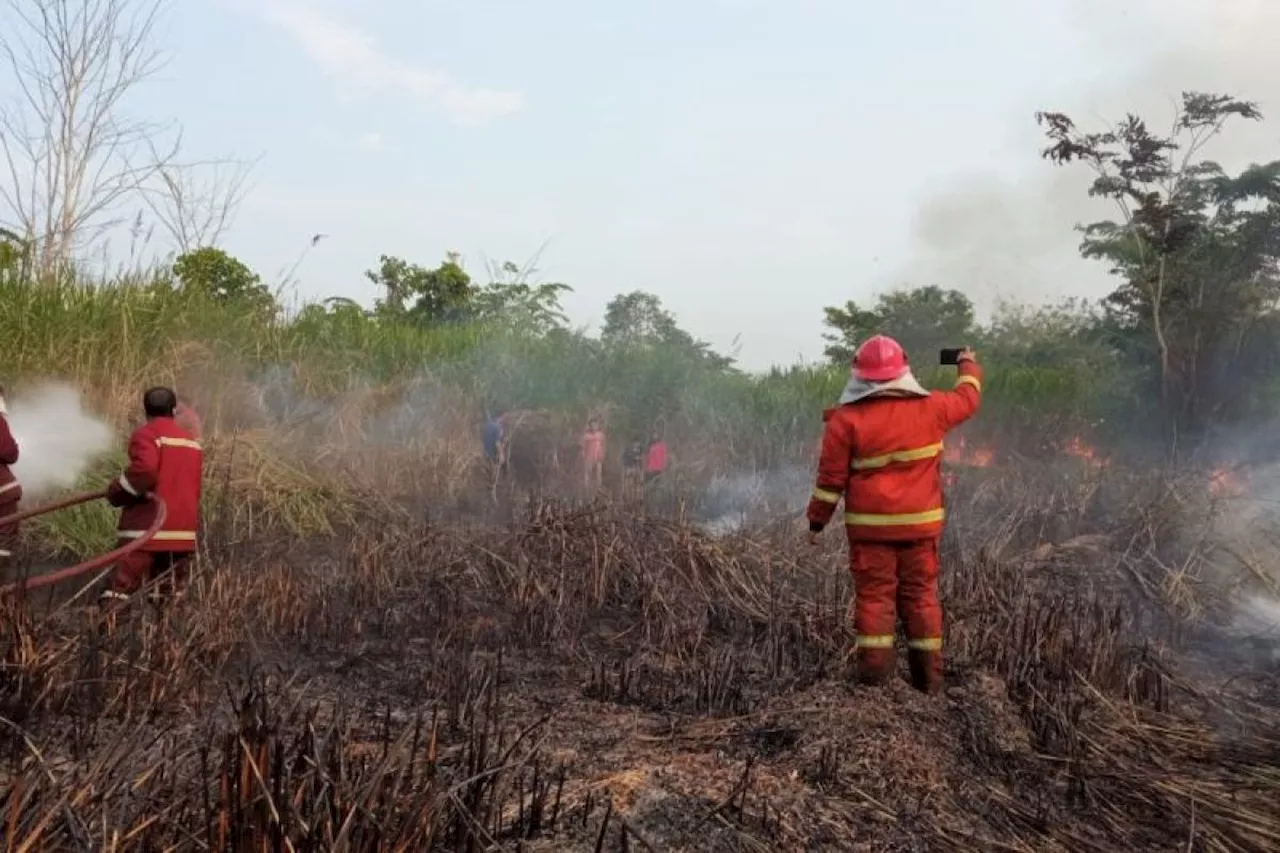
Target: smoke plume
{"x":57,"y":439}
{"x":1010,"y":235}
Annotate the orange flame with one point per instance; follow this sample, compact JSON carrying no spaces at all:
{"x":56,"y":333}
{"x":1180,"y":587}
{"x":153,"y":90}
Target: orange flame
{"x":1224,"y":481}
{"x":1078,"y":448}
{"x":959,"y":453}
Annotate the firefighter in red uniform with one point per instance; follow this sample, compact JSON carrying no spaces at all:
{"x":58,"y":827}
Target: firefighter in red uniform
{"x":882,"y":451}
{"x":10,"y":488}
{"x":166,"y":461}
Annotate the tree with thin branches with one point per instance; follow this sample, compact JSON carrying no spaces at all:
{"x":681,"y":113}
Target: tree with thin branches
{"x":195,"y":203}
{"x":71,"y":152}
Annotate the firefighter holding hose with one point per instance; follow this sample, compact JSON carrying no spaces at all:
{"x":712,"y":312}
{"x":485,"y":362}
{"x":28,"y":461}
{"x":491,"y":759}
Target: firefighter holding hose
{"x":10,"y":488}
{"x":882,"y":452}
{"x":164,"y":460}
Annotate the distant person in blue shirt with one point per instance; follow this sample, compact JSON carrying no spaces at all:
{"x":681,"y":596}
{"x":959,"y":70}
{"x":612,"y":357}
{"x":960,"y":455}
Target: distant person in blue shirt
{"x":494,"y":437}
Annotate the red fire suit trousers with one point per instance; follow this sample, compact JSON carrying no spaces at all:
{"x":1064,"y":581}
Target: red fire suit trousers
{"x":8,"y":532}
{"x":892,"y":578}
{"x":141,"y":567}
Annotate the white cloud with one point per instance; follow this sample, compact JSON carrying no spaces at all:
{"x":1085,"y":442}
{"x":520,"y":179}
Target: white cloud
{"x":366,"y":141}
{"x":355,"y":58}
{"x":370,"y":141}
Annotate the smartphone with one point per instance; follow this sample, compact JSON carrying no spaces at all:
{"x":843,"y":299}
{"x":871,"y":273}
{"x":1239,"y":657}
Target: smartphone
{"x":950,"y":356}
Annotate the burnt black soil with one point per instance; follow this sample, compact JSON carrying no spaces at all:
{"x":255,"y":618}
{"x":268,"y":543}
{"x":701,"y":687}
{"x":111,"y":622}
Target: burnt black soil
{"x":591,"y":680}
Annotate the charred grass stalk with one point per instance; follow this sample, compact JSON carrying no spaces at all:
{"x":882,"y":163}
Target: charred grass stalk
{"x":597,"y":678}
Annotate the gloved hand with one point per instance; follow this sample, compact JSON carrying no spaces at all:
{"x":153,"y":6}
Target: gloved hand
{"x":815,"y":531}
{"x":117,"y":496}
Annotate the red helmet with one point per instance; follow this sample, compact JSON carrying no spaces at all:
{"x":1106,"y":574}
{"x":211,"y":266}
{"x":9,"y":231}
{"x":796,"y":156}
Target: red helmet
{"x":879,"y":359}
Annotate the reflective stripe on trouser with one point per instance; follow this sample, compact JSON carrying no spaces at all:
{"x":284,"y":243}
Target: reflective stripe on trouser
{"x":8,"y":532}
{"x":161,"y":536}
{"x":893,"y":576}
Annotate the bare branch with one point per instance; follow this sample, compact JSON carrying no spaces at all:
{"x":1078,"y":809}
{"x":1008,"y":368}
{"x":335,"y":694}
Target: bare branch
{"x":195,"y":203}
{"x":71,"y":153}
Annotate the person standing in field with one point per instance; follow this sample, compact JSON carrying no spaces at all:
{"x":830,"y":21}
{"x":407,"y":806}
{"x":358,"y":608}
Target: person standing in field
{"x":10,"y":488}
{"x":494,"y":438}
{"x":187,"y":418}
{"x":632,"y":468}
{"x":166,"y":461}
{"x":655,"y":458}
{"x":882,"y":453}
{"x":592,"y":443}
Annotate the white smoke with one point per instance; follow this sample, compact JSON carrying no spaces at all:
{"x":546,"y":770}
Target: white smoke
{"x":1011,"y":235}
{"x":1260,"y":616}
{"x":57,"y":439}
{"x":1247,"y":526}
{"x":732,"y":502}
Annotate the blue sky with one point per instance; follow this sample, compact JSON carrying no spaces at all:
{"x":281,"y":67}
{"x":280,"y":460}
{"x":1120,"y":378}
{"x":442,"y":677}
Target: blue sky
{"x":749,"y":161}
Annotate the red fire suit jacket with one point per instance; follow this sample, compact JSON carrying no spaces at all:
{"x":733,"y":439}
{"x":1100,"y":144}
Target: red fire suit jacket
{"x":10,"y":488}
{"x":163,"y":459}
{"x":883,"y":455}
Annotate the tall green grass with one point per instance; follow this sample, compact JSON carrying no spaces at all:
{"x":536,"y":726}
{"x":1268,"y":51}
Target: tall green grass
{"x":113,"y":338}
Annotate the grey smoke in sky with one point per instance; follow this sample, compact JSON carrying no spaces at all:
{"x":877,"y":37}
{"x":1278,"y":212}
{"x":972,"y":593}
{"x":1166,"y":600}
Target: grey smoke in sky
{"x":995,"y":237}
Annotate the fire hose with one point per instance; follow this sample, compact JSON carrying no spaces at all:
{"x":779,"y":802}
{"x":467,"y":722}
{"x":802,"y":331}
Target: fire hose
{"x":90,"y":565}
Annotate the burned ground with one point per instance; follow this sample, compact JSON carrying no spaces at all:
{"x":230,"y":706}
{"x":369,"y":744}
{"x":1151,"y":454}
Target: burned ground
{"x":594,"y":678}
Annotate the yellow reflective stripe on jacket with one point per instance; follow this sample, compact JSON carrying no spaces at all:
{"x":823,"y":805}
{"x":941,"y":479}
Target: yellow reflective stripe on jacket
{"x":163,"y":441}
{"x":913,"y":455}
{"x":826,"y":497}
{"x":970,"y":380}
{"x":162,"y":536}
{"x":867,"y":519}
{"x":931,"y":644}
{"x":874,"y":641}
{"x":8,"y":487}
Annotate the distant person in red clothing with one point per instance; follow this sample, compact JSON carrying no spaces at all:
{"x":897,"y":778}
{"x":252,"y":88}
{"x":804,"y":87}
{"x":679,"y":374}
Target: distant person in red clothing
{"x":165,"y":460}
{"x":592,"y":442}
{"x":187,"y":418}
{"x":655,"y":459}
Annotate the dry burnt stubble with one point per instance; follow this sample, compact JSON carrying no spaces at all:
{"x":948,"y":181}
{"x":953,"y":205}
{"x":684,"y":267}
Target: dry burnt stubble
{"x":592,"y":679}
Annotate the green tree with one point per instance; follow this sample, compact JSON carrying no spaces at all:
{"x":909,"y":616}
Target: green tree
{"x":509,"y":299}
{"x":423,"y":296}
{"x":637,"y":319}
{"x":1195,"y":249}
{"x":222,"y":278}
{"x":921,"y":319}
